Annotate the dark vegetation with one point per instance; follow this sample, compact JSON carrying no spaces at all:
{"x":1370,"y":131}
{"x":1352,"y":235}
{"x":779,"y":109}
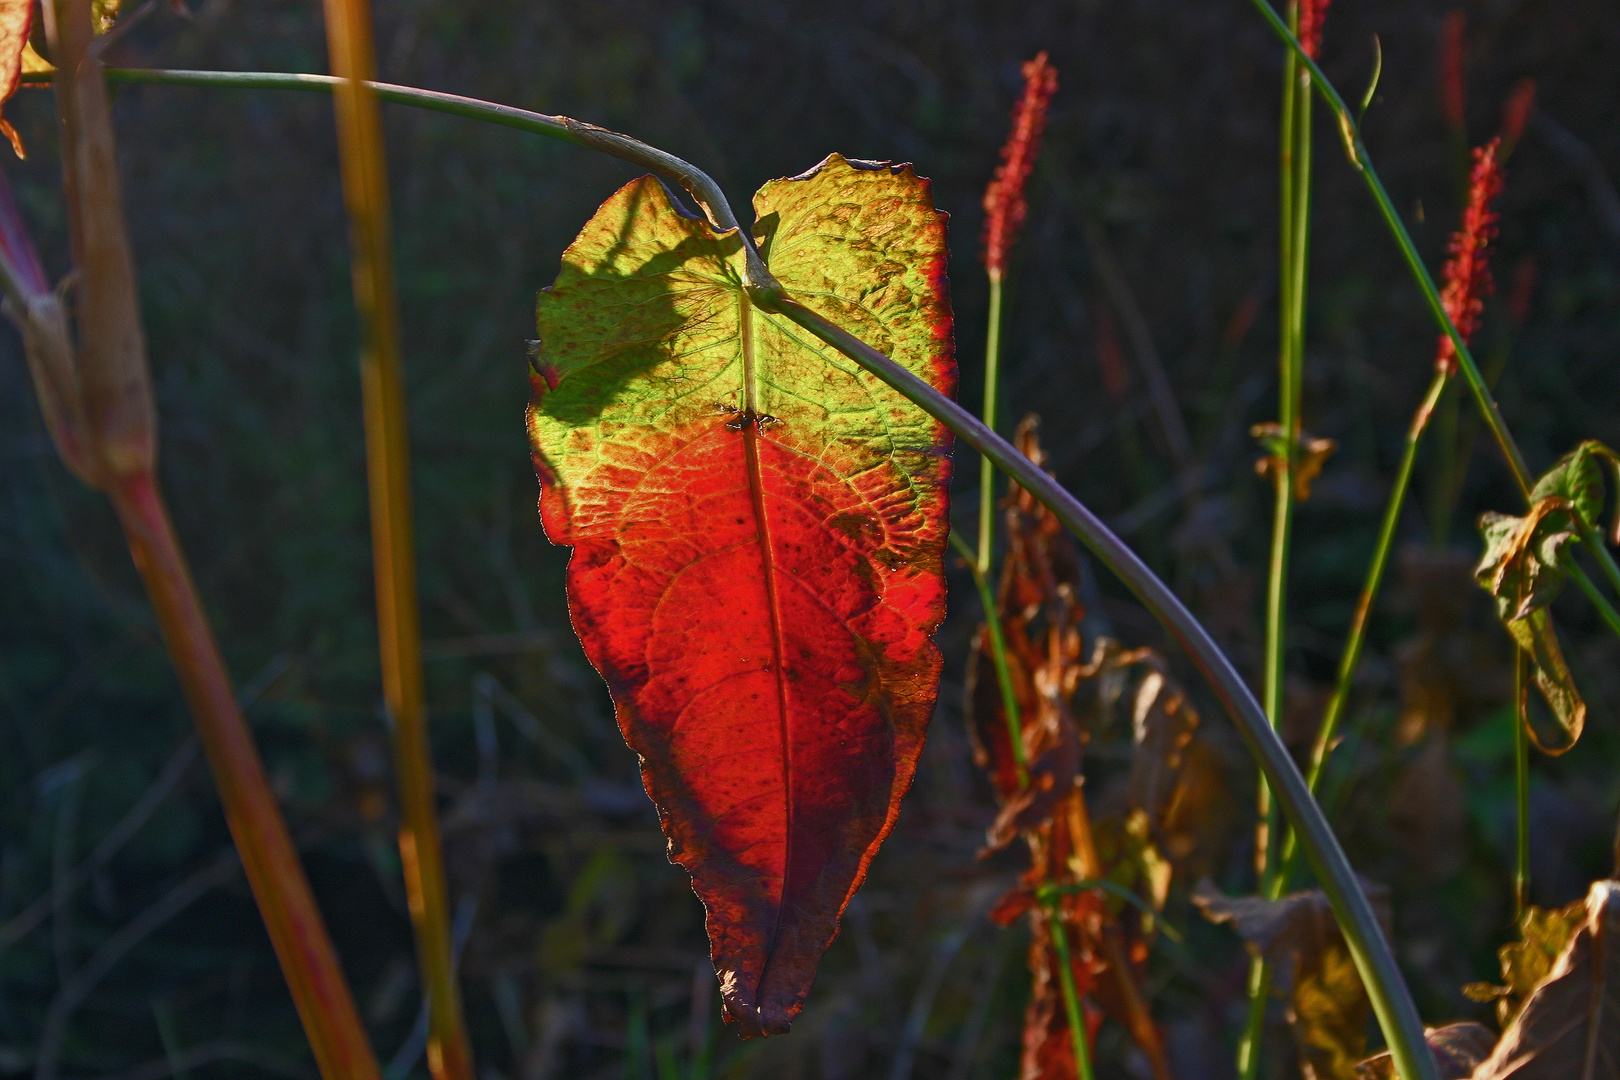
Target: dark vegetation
{"x":1152,"y":227}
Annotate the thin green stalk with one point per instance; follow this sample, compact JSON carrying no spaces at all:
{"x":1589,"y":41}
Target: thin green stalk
{"x":1605,"y":609}
{"x":998,"y":654}
{"x":365,"y":189}
{"x":1521,"y":784}
{"x":1351,"y":656}
{"x":987,"y":468}
{"x":1594,"y":543}
{"x":1391,"y":999}
{"x":1071,"y":998}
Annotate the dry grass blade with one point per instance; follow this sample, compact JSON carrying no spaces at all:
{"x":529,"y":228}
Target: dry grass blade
{"x":365,"y":189}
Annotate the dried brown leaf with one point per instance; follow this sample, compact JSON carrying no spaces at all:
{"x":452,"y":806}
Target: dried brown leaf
{"x":1328,"y":1008}
{"x":1569,"y":1028}
{"x":1458,"y":1049}
{"x":1543,"y":935}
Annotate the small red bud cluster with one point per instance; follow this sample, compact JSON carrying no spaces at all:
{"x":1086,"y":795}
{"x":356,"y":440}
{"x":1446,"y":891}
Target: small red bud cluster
{"x":1004,"y":204}
{"x":1467,"y":274}
{"x":1312,"y":13}
{"x":1452,"y":95}
{"x":1516,"y":113}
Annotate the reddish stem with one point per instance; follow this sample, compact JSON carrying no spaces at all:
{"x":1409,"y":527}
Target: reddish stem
{"x":273,"y":870}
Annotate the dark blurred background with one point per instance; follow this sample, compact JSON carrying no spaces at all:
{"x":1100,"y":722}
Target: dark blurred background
{"x":1151,"y":240}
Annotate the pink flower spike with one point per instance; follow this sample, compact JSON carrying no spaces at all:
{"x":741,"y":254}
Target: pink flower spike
{"x":1312,"y":13}
{"x":1467,"y":274}
{"x":1004,"y":204}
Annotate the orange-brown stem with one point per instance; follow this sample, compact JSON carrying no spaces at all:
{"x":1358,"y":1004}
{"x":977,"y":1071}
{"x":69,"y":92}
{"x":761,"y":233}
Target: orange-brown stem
{"x":273,"y":870}
{"x":365,"y":191}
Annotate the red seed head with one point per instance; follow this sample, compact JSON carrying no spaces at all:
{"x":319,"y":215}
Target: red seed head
{"x":1516,"y":113}
{"x":1467,"y":274}
{"x":1452,"y":59}
{"x":1311,"y":15}
{"x":1004,"y":205}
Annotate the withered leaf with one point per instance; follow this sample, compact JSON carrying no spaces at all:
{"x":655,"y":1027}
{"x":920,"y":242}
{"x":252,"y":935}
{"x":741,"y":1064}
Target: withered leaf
{"x":1458,"y":1049}
{"x":1328,"y":1008}
{"x":1543,"y":935}
{"x":1569,"y":1029}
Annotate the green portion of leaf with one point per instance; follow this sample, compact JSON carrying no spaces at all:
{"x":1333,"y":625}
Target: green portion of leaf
{"x":1578,"y":478}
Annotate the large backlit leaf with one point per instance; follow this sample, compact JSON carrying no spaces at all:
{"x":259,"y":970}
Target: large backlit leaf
{"x":758,"y":528}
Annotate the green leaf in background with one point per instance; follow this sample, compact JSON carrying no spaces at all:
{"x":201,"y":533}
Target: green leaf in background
{"x":1524,"y":569}
{"x":1578,"y":477}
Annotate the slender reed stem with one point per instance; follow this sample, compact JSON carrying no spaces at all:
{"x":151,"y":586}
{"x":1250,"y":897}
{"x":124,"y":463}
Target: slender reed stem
{"x":1521,"y":787}
{"x":1071,"y":998}
{"x":1605,"y":558}
{"x":1294,"y":159}
{"x":998,"y":654}
{"x":365,"y":188}
{"x":987,"y":468}
{"x":1605,"y":609}
{"x":1391,"y":999}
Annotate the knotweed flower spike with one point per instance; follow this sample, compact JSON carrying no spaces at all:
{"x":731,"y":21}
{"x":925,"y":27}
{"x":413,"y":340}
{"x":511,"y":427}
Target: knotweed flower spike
{"x":1312,"y":13}
{"x":1452,"y":100}
{"x":1468,"y":275}
{"x":1004,"y":204}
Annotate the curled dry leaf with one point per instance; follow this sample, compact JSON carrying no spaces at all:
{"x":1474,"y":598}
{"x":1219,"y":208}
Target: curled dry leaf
{"x":1458,"y":1049}
{"x":758,"y":527}
{"x":1328,"y":1008}
{"x":1569,"y":1028}
{"x":1309,"y":458}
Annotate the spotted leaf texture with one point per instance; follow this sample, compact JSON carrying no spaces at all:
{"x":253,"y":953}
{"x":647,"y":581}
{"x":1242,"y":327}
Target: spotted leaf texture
{"x":758,"y":528}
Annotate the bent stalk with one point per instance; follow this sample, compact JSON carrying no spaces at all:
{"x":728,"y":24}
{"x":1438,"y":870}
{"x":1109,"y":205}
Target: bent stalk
{"x":1391,"y":1000}
{"x":365,"y":189}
